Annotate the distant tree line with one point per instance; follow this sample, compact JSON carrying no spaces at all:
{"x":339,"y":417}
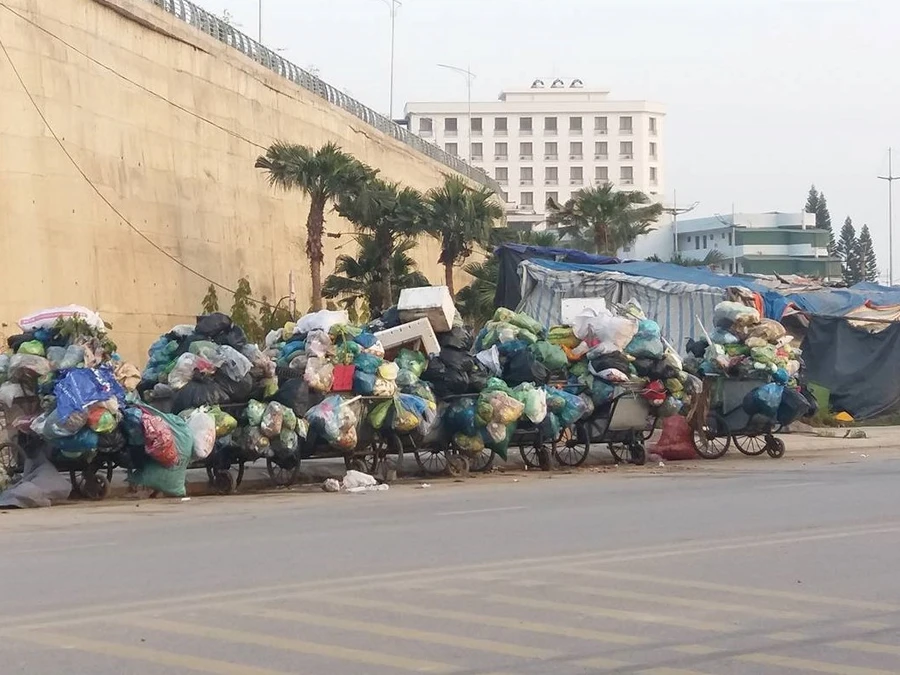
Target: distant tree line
{"x":856,"y":252}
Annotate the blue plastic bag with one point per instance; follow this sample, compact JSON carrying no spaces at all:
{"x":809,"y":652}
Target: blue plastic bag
{"x":365,"y":340}
{"x":460,"y":417}
{"x":367,"y":363}
{"x":363,"y":382}
{"x":84,"y":441}
{"x":82,"y":387}
{"x":764,"y":400}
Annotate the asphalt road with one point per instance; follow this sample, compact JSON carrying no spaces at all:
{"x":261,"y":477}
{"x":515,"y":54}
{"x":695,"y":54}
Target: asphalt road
{"x":768,"y":571}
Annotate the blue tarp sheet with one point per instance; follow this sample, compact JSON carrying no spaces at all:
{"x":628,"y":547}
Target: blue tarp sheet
{"x":840,"y":301}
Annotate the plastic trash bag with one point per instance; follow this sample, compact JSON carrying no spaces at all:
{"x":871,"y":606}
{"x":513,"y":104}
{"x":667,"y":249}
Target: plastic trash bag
{"x":563,"y":336}
{"x":612,"y":375}
{"x":9,"y":392}
{"x":388,"y":371}
{"x":212,"y":325}
{"x":81,"y":387}
{"x":459,"y":417}
{"x":319,"y":374}
{"x":235,"y":365}
{"x":470,"y":444}
{"x":413,"y":361}
{"x":729,"y":315}
{"x":101,"y":420}
{"x":225,"y":423}
{"x":25,"y":368}
{"x":720,"y":336}
{"x":160,"y":440}
{"x":567,"y":406}
{"x":318,"y":343}
{"x":490,"y":360}
{"x":534,"y":400}
{"x":73,"y":447}
{"x":456,"y":338}
{"x":288,"y":442}
{"x":363,"y":383}
{"x":203,"y":432}
{"x":384,"y":388}
{"x":379,"y":414}
{"x":612,"y":331}
{"x":769,"y":330}
{"x":33,"y":347}
{"x":335,"y":420}
{"x":272,"y":420}
{"x":523,"y":367}
{"x":675,"y":442}
{"x":646,"y":343}
{"x":764,"y":400}
{"x":322,"y":320}
{"x":794,"y":405}
{"x":201,"y":390}
{"x":519,"y":320}
{"x":255,"y":412}
{"x":552,"y":356}
{"x":183,"y":371}
{"x":368,"y":363}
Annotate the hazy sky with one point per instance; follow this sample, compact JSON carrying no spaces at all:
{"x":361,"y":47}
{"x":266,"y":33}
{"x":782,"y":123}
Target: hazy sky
{"x":764,"y":97}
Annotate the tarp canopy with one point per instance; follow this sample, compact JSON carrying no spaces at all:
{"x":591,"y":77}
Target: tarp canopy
{"x":861,"y":368}
{"x":508,"y":292}
{"x":840,"y":301}
{"x":673,"y":304}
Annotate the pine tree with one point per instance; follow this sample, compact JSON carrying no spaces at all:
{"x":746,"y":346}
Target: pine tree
{"x":847,"y":249}
{"x":812,"y":200}
{"x":240,"y":310}
{"x":868,"y":261}
{"x":210,"y":300}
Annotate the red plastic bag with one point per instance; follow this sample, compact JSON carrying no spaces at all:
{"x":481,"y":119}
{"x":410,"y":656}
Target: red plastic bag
{"x":655,"y":393}
{"x":160,"y":441}
{"x":675,"y":441}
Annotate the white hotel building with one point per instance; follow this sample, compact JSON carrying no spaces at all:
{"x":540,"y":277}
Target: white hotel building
{"x":547,"y":142}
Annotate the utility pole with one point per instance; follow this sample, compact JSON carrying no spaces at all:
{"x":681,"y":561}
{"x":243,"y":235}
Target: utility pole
{"x":469,"y":75}
{"x":393,"y":6}
{"x":675,"y":211}
{"x":259,"y":17}
{"x":890,"y":178}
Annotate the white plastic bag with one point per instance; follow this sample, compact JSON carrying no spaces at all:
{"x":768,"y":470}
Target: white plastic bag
{"x":235,"y":365}
{"x":203,"y":429}
{"x":490,"y":359}
{"x":273,"y":337}
{"x":48,"y":317}
{"x":613,"y":332}
{"x":318,"y":343}
{"x":357,"y":479}
{"x":322,"y":320}
{"x":183,"y":371}
{"x":9,"y":392}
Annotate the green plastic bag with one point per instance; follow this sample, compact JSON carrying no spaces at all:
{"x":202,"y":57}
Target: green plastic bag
{"x":170,"y":481}
{"x":225,"y":423}
{"x":255,"y":412}
{"x":378,"y":415}
{"x":552,"y":356}
{"x":415,"y":362}
{"x":32,"y":347}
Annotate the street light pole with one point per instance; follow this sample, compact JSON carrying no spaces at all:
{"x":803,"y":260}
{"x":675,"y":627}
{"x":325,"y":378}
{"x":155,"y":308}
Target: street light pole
{"x":259,"y":17}
{"x":469,"y":75}
{"x":890,"y":178}
{"x":675,"y":211}
{"x":393,"y":6}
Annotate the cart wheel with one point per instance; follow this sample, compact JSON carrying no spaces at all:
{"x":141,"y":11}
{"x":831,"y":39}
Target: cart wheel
{"x":712,"y":440}
{"x":631,"y":452}
{"x":530,"y":456}
{"x":775,"y":447}
{"x":750,"y":445}
{"x":432,"y":460}
{"x":361,"y":464}
{"x":573,"y":447}
{"x":9,"y":459}
{"x":457,"y":466}
{"x":483,"y":461}
{"x":93,"y":486}
{"x":283,"y":473}
{"x":223,"y":482}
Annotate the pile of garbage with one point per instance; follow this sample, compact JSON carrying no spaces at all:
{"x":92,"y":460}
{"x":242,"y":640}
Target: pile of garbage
{"x":67,"y":379}
{"x":744,"y":346}
{"x":608,"y":350}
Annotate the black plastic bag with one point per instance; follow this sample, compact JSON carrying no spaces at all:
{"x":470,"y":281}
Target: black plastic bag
{"x":455,"y":359}
{"x":523,"y":367}
{"x":697,"y":347}
{"x":234,"y":337}
{"x":435,"y":372}
{"x":201,"y":390}
{"x":662,"y":371}
{"x":793,"y":406}
{"x":213,"y":325}
{"x":615,"y":360}
{"x":457,"y":338}
{"x":294,"y":394}
{"x":111,"y":440}
{"x":478,"y":380}
{"x":235,"y":392}
{"x":16,"y":341}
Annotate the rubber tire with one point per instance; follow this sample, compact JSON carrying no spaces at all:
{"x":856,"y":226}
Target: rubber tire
{"x":638,"y":453}
{"x":289,"y":475}
{"x":529,"y":455}
{"x":740,"y":445}
{"x":721,"y":426}
{"x":93,"y":486}
{"x":483,"y":461}
{"x":775,"y":447}
{"x":223,"y":482}
{"x":581,"y":439}
{"x":432,"y":468}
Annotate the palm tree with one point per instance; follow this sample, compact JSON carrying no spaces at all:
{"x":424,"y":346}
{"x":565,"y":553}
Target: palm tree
{"x":387,"y":213}
{"x":323,"y":175}
{"x":476,"y":301}
{"x":354,"y":277}
{"x":460,"y":217}
{"x":714,"y":258}
{"x":602,"y":219}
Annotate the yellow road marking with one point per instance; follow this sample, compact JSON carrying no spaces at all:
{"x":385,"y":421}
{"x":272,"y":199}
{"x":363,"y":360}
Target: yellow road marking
{"x":400,"y":633}
{"x":145,"y":654}
{"x":482,"y":619}
{"x":709,"y":605}
{"x":288,"y":644}
{"x":696,"y":650}
{"x":601,"y":662}
{"x":810,"y":666}
{"x":870,"y":625}
{"x":870,"y":647}
{"x":743,"y":590}
{"x":787,"y":636}
{"x":61,"y":617}
{"x":618,"y":614}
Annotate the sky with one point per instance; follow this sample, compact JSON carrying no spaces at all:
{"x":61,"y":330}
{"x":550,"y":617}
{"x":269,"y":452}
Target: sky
{"x":763,"y":97}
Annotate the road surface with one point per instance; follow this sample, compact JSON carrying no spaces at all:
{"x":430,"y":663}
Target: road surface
{"x":743,"y":572}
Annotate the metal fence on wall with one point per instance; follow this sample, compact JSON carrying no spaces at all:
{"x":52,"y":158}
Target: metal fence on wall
{"x":217,"y":28}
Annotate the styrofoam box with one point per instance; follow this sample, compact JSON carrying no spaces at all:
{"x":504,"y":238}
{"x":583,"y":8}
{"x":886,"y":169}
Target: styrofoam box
{"x":572,"y":307}
{"x":430,"y":302}
{"x":419,"y":330}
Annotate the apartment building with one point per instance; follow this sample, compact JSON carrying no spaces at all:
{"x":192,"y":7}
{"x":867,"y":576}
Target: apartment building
{"x":549,"y":141}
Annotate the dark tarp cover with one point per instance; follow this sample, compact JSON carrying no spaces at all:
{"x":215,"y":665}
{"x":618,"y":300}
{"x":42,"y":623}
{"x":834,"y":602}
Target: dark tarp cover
{"x":509,"y":284}
{"x":861,"y":369}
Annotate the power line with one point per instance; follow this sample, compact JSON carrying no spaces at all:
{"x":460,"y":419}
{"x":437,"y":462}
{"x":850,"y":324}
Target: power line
{"x":97,"y":191}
